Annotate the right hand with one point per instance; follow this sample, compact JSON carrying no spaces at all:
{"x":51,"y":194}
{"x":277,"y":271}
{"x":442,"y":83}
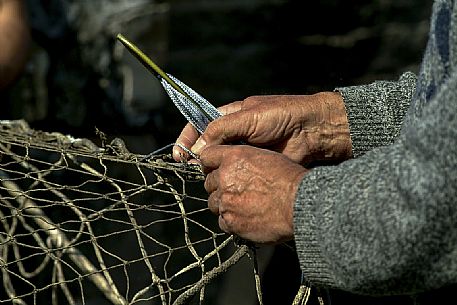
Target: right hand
{"x":249,"y":203}
{"x":304,"y":128}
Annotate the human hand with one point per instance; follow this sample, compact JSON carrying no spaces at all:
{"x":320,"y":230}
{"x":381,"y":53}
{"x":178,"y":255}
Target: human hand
{"x":304,"y":128}
{"x":252,"y":190}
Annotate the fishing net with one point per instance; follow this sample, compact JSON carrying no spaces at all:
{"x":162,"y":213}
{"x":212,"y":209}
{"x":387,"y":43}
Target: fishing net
{"x":79,"y":220}
{"x":82,"y":223}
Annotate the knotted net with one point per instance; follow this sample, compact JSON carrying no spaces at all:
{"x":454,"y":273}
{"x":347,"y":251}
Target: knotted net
{"x":78,"y":220}
{"x":82,"y":223}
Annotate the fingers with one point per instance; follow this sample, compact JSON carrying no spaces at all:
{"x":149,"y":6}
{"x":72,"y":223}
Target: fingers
{"x":212,"y":178}
{"x":187,"y":139}
{"x":230,"y":128}
{"x":231,"y":107}
{"x":222,"y":224}
{"x":214,"y":201}
{"x":211,"y":158}
{"x":189,"y":135}
{"x":212,"y":187}
{"x":238,"y":123}
{"x":241,"y":122}
{"x":211,"y":182}
{"x":214,"y":205}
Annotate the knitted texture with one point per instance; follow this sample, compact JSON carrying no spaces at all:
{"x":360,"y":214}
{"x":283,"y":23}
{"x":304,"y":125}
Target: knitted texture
{"x":384,"y":223}
{"x":376,"y":111}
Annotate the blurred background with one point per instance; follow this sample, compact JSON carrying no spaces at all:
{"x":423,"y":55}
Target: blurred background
{"x":76,"y":77}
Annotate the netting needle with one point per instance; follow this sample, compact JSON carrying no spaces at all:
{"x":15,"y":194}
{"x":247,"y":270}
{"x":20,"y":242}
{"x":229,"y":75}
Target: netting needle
{"x":158,"y":72}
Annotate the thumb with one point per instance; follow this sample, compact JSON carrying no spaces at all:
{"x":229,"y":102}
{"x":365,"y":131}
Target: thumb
{"x":227,"y":129}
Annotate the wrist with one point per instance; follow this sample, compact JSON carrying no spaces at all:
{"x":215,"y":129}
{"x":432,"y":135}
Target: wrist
{"x":295,"y":176}
{"x":334,"y":136}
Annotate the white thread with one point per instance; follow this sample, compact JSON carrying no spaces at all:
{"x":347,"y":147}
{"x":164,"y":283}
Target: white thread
{"x":159,"y":150}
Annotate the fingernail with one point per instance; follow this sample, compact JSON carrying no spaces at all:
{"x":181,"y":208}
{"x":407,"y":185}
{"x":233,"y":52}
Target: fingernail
{"x":194,"y":161}
{"x":177,"y":154}
{"x":198,"y":146}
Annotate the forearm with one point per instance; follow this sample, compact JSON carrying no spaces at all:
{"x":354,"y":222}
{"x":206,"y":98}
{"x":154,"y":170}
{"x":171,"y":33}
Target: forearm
{"x":384,"y":223}
{"x":14,"y":40}
{"x":375,"y":112}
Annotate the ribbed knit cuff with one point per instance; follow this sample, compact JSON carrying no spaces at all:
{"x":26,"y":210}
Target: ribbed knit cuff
{"x":314,"y":266}
{"x":376,"y":111}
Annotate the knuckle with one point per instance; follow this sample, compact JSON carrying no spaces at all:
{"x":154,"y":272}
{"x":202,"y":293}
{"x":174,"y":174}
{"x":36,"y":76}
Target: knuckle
{"x":250,"y":101}
{"x":223,"y":225}
{"x":211,"y":182}
{"x":207,"y":181}
{"x":226,"y":222}
{"x":235,"y":153}
{"x":204,"y":154}
{"x":213,"y":203}
{"x":207,"y":184}
{"x":228,"y":177}
{"x":226,"y":200}
{"x":213,"y":129}
{"x":238,"y":155}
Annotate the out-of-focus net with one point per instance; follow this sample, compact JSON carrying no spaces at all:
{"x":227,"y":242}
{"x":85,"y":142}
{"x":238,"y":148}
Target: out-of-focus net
{"x":80,"y":221}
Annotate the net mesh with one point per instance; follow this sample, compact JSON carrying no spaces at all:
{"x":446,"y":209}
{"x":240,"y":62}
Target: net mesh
{"x":88,"y":224}
{"x":80,"y":222}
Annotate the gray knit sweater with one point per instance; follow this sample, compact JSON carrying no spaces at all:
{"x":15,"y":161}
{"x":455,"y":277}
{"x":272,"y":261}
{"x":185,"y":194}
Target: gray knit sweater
{"x":385,"y":222}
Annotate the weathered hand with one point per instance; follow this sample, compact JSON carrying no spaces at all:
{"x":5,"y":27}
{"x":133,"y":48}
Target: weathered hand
{"x":305,"y":128}
{"x":252,"y":190}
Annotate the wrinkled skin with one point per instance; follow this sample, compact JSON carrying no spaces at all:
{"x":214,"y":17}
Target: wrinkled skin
{"x":248,"y":191}
{"x":252,"y":187}
{"x":304,"y":128}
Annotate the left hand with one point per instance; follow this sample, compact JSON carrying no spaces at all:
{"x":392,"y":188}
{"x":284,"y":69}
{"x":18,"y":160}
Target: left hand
{"x":305,"y":128}
{"x":252,"y":190}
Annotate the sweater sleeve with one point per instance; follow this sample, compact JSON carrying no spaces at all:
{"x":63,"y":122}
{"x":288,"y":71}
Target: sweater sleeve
{"x":376,"y":111}
{"x":385,"y":223}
